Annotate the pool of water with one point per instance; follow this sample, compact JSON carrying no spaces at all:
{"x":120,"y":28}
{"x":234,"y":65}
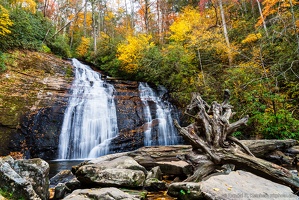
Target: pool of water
{"x":59,"y":165}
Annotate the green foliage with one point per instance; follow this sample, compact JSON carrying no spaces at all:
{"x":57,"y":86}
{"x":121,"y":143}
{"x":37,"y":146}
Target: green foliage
{"x":5,"y":193}
{"x":178,"y":68}
{"x":9,"y":195}
{"x":151,"y":63}
{"x":105,"y":58}
{"x":172,"y":67}
{"x":27,"y":32}
{"x":183,"y":192}
{"x":280,"y":125}
{"x":271,"y":113}
{"x":2,"y":62}
{"x":60,"y":46}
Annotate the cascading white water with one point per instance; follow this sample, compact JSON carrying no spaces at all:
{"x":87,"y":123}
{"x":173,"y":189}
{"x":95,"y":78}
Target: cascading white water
{"x":90,"y":118}
{"x":167,"y":134}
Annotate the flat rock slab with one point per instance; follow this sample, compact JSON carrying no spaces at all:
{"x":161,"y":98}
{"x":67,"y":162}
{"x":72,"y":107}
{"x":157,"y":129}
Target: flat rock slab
{"x":109,"y":193}
{"x":244,"y":185}
{"x":175,"y":167}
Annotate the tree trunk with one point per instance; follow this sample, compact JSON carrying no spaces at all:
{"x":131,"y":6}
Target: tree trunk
{"x":262,"y":17}
{"x":230,"y":58}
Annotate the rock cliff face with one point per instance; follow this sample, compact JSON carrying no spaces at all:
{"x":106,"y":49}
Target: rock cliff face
{"x":33,"y":97}
{"x":130,"y":118}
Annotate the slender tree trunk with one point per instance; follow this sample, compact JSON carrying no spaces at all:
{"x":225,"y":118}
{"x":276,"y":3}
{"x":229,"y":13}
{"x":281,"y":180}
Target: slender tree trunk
{"x":45,"y":7}
{"x":262,"y":17}
{"x":294,"y":25}
{"x":146,"y":15}
{"x":201,"y":68}
{"x":100,"y":17}
{"x":158,"y":19}
{"x":94,"y":28}
{"x":84,"y":21}
{"x":126,"y":11}
{"x":230,"y":59}
{"x":132,"y":14}
{"x":63,"y":27}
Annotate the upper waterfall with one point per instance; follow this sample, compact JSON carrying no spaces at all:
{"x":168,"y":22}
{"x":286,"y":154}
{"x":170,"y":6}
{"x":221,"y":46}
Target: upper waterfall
{"x":90,"y":118}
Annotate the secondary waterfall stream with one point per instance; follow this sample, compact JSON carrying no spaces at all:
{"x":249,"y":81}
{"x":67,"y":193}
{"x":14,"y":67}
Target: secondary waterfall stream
{"x":166,"y":133}
{"x":90,"y":119}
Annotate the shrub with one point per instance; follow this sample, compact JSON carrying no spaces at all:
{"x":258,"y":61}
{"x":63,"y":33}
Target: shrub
{"x":27,"y":32}
{"x":2,"y":62}
{"x":59,"y":46}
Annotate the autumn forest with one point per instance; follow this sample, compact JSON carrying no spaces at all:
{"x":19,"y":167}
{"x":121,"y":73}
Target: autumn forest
{"x":250,"y":47}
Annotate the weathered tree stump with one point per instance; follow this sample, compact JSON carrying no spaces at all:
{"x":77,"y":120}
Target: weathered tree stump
{"x":212,"y":134}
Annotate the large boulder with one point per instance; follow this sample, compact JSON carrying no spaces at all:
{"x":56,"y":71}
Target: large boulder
{"x":36,"y":171}
{"x":236,"y":185}
{"x":66,"y":177}
{"x":64,"y":182}
{"x":122,"y":172}
{"x":244,"y":185}
{"x":154,"y":181}
{"x":13,"y":183}
{"x":100,"y":194}
{"x":25,"y":178}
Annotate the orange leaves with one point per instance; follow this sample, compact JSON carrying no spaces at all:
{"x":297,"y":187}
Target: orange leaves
{"x":5,"y":22}
{"x":271,"y":7}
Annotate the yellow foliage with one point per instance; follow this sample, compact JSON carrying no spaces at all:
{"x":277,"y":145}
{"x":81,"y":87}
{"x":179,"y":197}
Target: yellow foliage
{"x":251,"y":38}
{"x":184,"y":23}
{"x":109,"y":16}
{"x":5,"y":22}
{"x":29,"y":5}
{"x":83,"y":47}
{"x":104,"y":36}
{"x":198,"y":31}
{"x":131,"y":51}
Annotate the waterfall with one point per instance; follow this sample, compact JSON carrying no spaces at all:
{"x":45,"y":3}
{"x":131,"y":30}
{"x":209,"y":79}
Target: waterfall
{"x":166,"y":133}
{"x":90,"y":118}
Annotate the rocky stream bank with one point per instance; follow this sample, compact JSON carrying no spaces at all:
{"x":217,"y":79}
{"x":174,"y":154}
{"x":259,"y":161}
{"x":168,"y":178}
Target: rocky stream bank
{"x":141,"y":173}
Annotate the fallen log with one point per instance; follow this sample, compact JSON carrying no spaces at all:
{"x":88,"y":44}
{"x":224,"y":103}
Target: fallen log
{"x":261,"y":148}
{"x":211,"y":133}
